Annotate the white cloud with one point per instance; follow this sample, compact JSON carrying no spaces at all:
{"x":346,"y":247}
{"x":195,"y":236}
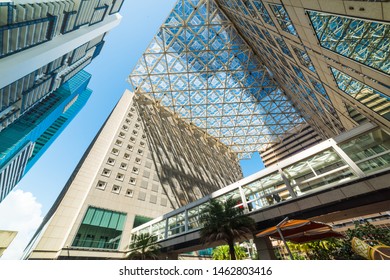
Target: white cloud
{"x":19,"y":212}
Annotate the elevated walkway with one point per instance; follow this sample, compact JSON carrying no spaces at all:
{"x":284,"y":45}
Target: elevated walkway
{"x":342,"y":177}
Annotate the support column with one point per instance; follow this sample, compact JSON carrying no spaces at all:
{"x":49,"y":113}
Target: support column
{"x":264,"y":248}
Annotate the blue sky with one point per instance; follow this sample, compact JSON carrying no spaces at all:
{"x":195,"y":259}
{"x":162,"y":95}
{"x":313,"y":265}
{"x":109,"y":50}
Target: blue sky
{"x":124,"y":45}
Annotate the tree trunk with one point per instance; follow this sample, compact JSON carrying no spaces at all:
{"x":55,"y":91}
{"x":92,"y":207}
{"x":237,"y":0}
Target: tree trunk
{"x":232,"y":251}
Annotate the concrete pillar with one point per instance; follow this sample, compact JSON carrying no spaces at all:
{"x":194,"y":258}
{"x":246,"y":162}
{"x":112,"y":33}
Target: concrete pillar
{"x":264,"y":248}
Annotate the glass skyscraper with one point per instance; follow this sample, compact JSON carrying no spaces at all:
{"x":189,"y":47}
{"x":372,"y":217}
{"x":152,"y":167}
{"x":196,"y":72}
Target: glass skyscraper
{"x":26,"y":139}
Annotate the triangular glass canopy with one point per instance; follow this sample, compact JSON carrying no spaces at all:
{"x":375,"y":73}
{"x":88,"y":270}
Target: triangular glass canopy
{"x":199,"y":67}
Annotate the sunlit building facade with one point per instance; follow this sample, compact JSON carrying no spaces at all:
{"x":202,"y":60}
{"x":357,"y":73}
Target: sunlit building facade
{"x":143,"y":163}
{"x":251,"y":75}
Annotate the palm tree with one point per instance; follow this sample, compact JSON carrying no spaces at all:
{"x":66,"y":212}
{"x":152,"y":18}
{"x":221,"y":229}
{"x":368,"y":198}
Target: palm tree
{"x":143,"y":247}
{"x":223,"y":253}
{"x":223,"y":221}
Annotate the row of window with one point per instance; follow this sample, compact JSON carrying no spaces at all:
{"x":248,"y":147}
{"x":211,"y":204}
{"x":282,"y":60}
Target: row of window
{"x":116,"y":189}
{"x":120,"y":177}
{"x":101,"y":185}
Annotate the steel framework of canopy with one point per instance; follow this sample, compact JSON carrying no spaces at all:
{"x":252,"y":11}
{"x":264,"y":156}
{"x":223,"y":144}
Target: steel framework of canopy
{"x":199,"y":67}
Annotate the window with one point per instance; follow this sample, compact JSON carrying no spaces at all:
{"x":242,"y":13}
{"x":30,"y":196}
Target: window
{"x":318,"y":87}
{"x":283,"y":19}
{"x":299,"y":73}
{"x":110,"y":161}
{"x":120,"y":177}
{"x":126,"y":156}
{"x":132,"y":180}
{"x":283,"y":46}
{"x":358,"y":39}
{"x":142,"y":144}
{"x":137,"y":160}
{"x":322,"y":169}
{"x":101,"y":185}
{"x":132,"y":109}
{"x":130,"y":147}
{"x":106,"y":172}
{"x":304,"y":59}
{"x":125,"y":127}
{"x":135,"y":132}
{"x":116,"y":189}
{"x":135,"y":170}
{"x":129,"y":193}
{"x":130,"y":115}
{"x":375,"y":100}
{"x":123,"y":166}
{"x":140,"y":152}
{"x":143,"y":136}
{"x":100,"y":228}
{"x":137,"y":125}
{"x":370,"y":151}
{"x":118,"y":142}
{"x":122,"y":134}
{"x":132,"y":139}
{"x":263,"y":12}
{"x":115,"y":151}
{"x":127,"y":121}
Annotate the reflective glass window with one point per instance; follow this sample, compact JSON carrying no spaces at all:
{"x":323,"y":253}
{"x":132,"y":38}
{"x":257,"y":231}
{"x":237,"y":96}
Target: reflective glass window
{"x":370,"y":151}
{"x":176,"y":224}
{"x":367,"y":42}
{"x":266,"y":191}
{"x":263,"y":12}
{"x":100,"y":228}
{"x":283,"y":46}
{"x":322,"y":169}
{"x":372,"y":98}
{"x":304,"y":59}
{"x":283,"y":19}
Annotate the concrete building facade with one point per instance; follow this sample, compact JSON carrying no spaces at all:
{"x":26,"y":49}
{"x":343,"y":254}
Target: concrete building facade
{"x":122,"y":181}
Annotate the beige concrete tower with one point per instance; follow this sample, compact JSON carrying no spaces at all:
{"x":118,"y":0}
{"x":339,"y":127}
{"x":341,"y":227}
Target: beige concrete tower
{"x":122,"y":182}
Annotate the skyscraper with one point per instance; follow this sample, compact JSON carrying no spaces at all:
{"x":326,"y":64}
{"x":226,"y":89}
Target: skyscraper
{"x":26,"y":139}
{"x":142,"y":164}
{"x":247,"y":75}
{"x":43,"y":44}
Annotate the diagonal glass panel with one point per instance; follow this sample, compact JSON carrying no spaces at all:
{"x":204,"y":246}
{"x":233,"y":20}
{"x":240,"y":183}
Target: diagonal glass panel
{"x":364,"y":41}
{"x":199,"y":67}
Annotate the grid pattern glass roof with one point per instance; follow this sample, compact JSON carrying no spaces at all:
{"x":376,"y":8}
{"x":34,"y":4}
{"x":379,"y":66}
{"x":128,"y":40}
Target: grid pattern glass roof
{"x":199,"y":67}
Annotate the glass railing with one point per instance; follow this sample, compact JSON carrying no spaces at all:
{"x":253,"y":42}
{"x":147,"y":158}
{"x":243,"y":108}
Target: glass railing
{"x":326,"y":165}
